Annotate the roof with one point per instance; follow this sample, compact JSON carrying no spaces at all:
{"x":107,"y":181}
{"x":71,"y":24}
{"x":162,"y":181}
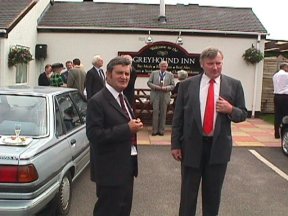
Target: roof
{"x":125,"y":16}
{"x":13,"y":11}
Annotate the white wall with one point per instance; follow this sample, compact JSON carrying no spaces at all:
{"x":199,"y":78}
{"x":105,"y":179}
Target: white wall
{"x":25,"y":34}
{"x":67,"y":46}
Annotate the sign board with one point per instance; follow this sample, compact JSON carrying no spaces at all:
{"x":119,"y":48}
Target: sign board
{"x":148,"y":58}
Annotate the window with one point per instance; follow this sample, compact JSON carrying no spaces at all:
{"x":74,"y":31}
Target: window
{"x":81,"y":104}
{"x":68,"y":112}
{"x":29,"y":111}
{"x":21,"y":73}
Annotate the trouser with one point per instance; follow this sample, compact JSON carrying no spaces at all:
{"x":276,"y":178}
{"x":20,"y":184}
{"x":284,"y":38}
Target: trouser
{"x":280,"y":110}
{"x":159,"y":115}
{"x":212,"y":176}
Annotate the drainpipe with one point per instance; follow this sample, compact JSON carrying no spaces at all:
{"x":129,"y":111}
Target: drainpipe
{"x":255,"y":80}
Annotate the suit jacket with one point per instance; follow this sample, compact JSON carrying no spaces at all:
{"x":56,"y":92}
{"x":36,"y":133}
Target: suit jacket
{"x":110,"y":140}
{"x":94,"y":83}
{"x":129,"y":91}
{"x":187,"y":125}
{"x":76,"y":78}
{"x":154,"y":82}
{"x":43,"y":80}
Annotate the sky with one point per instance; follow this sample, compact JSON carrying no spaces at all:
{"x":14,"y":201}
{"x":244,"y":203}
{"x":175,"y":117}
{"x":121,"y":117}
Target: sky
{"x":272,"y":14}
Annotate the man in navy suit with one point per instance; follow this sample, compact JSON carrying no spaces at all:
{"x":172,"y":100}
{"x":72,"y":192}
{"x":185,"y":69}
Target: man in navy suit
{"x":95,"y":77}
{"x":111,"y":130}
{"x":204,"y":155}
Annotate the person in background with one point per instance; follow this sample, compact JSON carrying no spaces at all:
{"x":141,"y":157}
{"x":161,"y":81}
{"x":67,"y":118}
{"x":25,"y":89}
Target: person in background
{"x":182,"y":75}
{"x":64,"y":75}
{"x":95,"y":78}
{"x":201,"y":132}
{"x":44,"y":78}
{"x":111,"y":129}
{"x":76,"y":76}
{"x":160,"y":82}
{"x":280,"y":84}
{"x":56,"y":79}
{"x":129,"y":92}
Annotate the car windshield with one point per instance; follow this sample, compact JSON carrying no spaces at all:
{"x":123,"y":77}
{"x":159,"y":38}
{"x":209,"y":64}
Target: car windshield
{"x":27,"y":112}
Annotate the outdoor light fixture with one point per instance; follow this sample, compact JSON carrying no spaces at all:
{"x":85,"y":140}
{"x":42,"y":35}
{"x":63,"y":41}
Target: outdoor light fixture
{"x":179,"y":40}
{"x":149,"y":39}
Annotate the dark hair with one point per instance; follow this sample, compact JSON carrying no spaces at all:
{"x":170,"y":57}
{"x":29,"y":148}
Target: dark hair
{"x":47,"y":66}
{"x":283,"y":65}
{"x":210,"y":53}
{"x":119,"y":60}
{"x":76,"y":61}
{"x":68,"y":62}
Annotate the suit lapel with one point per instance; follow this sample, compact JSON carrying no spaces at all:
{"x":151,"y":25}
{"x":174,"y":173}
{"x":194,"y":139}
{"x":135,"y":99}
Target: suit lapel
{"x":115,"y":104}
{"x":194,"y":88}
{"x":223,"y":88}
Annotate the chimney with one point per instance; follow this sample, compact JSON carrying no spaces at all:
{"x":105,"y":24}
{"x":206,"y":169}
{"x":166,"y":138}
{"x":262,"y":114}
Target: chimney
{"x":162,"y":16}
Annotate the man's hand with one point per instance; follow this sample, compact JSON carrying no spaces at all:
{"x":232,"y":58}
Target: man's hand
{"x":177,"y":154}
{"x":223,"y":106}
{"x":135,"y":125}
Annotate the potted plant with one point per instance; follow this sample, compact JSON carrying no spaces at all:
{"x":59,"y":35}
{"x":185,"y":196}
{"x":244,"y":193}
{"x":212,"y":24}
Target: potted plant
{"x":253,"y":55}
{"x":19,"y":55}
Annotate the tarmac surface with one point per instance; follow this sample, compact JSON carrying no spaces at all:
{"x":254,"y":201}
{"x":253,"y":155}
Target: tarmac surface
{"x":253,"y":132}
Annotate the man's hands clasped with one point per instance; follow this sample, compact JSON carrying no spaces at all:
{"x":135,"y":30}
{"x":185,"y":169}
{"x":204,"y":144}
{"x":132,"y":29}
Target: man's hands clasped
{"x":135,"y":125}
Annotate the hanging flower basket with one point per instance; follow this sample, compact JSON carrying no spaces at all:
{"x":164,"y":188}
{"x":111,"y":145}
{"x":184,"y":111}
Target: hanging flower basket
{"x":253,"y":56}
{"x":19,"y":55}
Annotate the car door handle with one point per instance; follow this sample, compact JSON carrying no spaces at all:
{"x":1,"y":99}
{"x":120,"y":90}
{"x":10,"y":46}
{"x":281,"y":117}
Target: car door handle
{"x":72,"y":142}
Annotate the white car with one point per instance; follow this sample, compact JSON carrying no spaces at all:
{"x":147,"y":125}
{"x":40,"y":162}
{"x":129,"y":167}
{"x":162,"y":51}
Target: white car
{"x":38,"y":166}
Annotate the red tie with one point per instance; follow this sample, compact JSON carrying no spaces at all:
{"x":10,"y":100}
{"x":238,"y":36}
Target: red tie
{"x":209,"y":110}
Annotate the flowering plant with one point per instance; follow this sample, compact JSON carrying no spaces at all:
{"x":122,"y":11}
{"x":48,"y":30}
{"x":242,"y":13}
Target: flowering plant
{"x":19,"y":55}
{"x":253,"y":55}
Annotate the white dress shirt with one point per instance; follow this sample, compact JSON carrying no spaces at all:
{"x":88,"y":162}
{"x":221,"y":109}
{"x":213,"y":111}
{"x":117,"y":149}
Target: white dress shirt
{"x":280,"y":82}
{"x":204,"y":86}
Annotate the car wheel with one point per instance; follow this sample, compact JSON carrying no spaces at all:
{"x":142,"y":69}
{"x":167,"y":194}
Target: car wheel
{"x":284,"y":142}
{"x":63,"y":198}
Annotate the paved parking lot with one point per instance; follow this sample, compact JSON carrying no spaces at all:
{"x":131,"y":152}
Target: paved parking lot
{"x":251,"y":187}
{"x":252,"y":132}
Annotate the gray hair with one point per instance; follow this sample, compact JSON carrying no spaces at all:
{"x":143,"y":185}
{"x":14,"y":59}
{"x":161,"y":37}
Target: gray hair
{"x":210,"y":53}
{"x":182,"y":74}
{"x":163,"y":62}
{"x":96,"y":59}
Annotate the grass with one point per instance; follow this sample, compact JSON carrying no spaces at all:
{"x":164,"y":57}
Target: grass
{"x":269,"y":118}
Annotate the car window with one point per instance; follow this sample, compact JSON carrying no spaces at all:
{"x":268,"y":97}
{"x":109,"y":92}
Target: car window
{"x":28,"y":111}
{"x":59,"y":123}
{"x":68,"y":112}
{"x":81,"y":104}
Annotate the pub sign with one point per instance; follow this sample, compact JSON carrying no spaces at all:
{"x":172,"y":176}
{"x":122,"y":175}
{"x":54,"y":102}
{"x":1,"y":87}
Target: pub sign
{"x":148,"y":58}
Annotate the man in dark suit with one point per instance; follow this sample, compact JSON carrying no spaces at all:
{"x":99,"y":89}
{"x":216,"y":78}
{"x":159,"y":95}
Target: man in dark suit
{"x":95,"y":77}
{"x":129,"y":92}
{"x":111,"y":130}
{"x":44,"y":78}
{"x":201,"y":132}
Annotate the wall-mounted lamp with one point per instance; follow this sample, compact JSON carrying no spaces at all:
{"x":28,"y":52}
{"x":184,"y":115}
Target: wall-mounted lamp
{"x":179,"y":40}
{"x":149,"y":39}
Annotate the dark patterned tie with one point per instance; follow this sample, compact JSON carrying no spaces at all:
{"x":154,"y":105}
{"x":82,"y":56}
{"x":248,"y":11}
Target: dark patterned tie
{"x":134,"y":136}
{"x":209,"y":110}
{"x":123,"y":105}
{"x":102,"y":74}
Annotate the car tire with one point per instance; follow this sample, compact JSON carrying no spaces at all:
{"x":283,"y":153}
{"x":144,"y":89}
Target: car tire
{"x":284,"y":141}
{"x":64,"y":195}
